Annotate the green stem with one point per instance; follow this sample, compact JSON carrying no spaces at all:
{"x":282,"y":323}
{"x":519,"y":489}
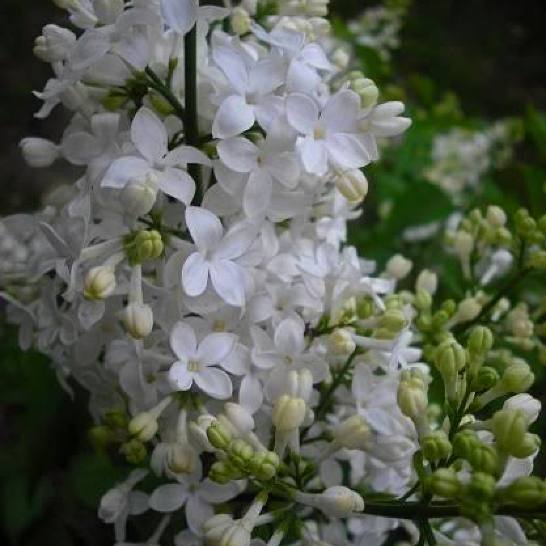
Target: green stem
{"x":322,"y":408}
{"x":156,"y":84}
{"x":191,"y":120}
{"x":414,"y":510}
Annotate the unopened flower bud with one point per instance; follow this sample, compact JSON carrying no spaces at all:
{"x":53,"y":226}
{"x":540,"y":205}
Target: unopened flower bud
{"x":398,"y":267}
{"x":526,"y":491}
{"x":54,"y":44}
{"x":341,"y":58}
{"x":486,"y":378}
{"x":517,"y":377}
{"x":436,"y":446}
{"x":412,"y":398}
{"x":480,"y":341}
{"x":341,"y":342}
{"x":393,"y":320}
{"x":529,"y":446}
{"x":39,"y":152}
{"x":481,"y":486}
{"x":222,"y":530}
{"x":264,"y":465}
{"x":484,"y":458}
{"x":101,"y":436}
{"x":240,"y":418}
{"x":138,"y":196}
{"x":134,"y":451}
{"x":463,"y":243}
{"x":240,"y":21}
{"x":496,"y":217}
{"x":468,"y":309}
{"x":353,"y":433}
{"x":147,"y":245}
{"x":444,"y":483}
{"x":144,"y":426}
{"x":99,"y":283}
{"x":365,"y":88}
{"x":464,"y":443}
{"x":219,"y":436}
{"x":240,"y":452}
{"x":288,"y":413}
{"x":352,"y":185}
{"x":509,"y":427}
{"x":427,"y":281}
{"x":138,"y":320}
{"x":337,"y":501}
{"x":223,"y":472}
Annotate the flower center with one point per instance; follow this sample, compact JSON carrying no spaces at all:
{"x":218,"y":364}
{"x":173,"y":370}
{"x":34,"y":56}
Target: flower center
{"x":319,"y":133}
{"x":194,"y":366}
{"x":219,"y":325}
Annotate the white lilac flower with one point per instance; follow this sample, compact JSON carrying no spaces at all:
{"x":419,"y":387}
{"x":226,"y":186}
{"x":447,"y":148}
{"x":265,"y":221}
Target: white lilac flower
{"x":197,"y":361}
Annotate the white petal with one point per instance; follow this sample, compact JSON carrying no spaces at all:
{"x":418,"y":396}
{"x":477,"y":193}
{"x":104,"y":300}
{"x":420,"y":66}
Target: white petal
{"x":149,"y":135}
{"x":239,"y":154}
{"x":179,"y":376}
{"x":195,"y":275}
{"x":314,"y":55}
{"x":228,"y":281}
{"x":124,"y":169}
{"x":168,"y":498}
{"x":204,"y":227}
{"x":216,"y":493}
{"x":347,"y":152}
{"x":238,"y":361}
{"x":105,"y":126}
{"x":79,"y":148}
{"x":215,"y":383}
{"x":178,"y":184}
{"x":197,"y":512}
{"x":314,"y":156}
{"x":341,"y":112}
{"x":215,"y":347}
{"x":251,"y":393}
{"x":233,"y":66}
{"x":257,"y":194}
{"x":183,"y":341}
{"x":285,"y":168}
{"x":236,"y":242}
{"x":302,"y":113}
{"x":180,"y":15}
{"x":289,"y":337}
{"x":266,"y":76}
{"x":233,"y":118}
{"x":184,"y":155}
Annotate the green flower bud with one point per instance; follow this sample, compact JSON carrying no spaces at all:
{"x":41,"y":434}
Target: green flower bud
{"x":218,"y":436}
{"x":365,"y":308}
{"x":529,"y":445}
{"x":495,"y":216}
{"x":393,"y":320}
{"x":537,"y":259}
{"x":450,"y":358}
{"x":517,"y":377}
{"x":148,"y":246}
{"x":503,"y":237}
{"x":464,"y":443}
{"x":449,"y":306}
{"x":487,"y":377}
{"x":264,"y":465}
{"x":143,"y":426}
{"x":480,"y":340}
{"x":240,"y":452}
{"x":114,"y":101}
{"x":115,"y":419}
{"x":542,"y":223}
{"x":101,"y":436}
{"x":440,"y":319}
{"x":436,"y":446}
{"x":509,"y":427}
{"x":444,"y":483}
{"x":483,"y":458}
{"x":412,"y":397}
{"x":134,"y":451}
{"x":423,"y":300}
{"x":223,"y":472}
{"x":161,"y":105}
{"x":526,"y":491}
{"x":481,"y":486}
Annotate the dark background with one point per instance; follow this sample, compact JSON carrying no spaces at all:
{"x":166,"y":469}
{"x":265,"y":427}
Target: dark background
{"x":490,"y":53}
